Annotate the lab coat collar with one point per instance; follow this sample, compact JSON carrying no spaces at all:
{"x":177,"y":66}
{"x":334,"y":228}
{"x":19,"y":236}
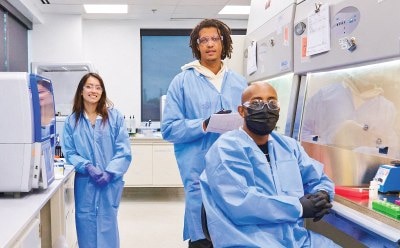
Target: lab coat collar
{"x":98,"y":117}
{"x":204,"y":70}
{"x":270,"y":138}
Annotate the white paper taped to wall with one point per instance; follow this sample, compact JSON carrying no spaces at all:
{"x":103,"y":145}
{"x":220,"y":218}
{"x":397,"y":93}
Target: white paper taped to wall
{"x":252,"y":58}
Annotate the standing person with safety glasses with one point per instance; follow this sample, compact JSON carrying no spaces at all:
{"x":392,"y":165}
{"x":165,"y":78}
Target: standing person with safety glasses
{"x":204,"y":87}
{"x":259,"y":185}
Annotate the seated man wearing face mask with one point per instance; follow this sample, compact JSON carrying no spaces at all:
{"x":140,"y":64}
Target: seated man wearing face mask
{"x":258,"y":185}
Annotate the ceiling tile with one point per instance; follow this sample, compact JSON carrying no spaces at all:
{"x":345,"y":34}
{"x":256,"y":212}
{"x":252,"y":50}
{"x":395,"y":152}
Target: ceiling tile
{"x":143,"y":9}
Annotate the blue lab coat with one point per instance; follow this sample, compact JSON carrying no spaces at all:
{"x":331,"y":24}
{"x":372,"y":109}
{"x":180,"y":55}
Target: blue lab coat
{"x":108,"y":148}
{"x":253,"y":203}
{"x":192,"y":98}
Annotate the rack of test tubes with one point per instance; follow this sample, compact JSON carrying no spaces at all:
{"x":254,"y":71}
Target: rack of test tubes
{"x":387,"y":208}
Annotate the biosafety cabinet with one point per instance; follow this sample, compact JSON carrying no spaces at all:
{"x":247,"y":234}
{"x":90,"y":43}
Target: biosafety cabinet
{"x":269,"y":48}
{"x":347,"y":54}
{"x":353,"y":32}
{"x":269,"y":54}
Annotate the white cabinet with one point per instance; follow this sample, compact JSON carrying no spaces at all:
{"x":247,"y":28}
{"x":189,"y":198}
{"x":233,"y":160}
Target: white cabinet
{"x":165,"y":168}
{"x":153,"y":165}
{"x":30,"y":237}
{"x":140,"y":172}
{"x":62,"y":206}
{"x":28,"y":221}
{"x":70,"y":228}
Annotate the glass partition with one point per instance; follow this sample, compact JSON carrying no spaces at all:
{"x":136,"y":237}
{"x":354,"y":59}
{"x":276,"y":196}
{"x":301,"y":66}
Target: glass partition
{"x":355,"y":109}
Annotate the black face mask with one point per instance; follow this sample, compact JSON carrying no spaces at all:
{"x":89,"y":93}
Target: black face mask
{"x":263,"y":121}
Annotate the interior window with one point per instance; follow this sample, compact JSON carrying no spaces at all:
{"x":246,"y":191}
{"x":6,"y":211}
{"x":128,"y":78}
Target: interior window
{"x":163,"y":54}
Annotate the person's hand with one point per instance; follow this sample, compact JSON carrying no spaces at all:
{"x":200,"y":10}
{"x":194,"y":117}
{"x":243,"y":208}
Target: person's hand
{"x":325,"y":210}
{"x":321,"y":198}
{"x":104,"y":179}
{"x":309,"y":209}
{"x":322,"y":201}
{"x":222,"y":111}
{"x":94,"y":172}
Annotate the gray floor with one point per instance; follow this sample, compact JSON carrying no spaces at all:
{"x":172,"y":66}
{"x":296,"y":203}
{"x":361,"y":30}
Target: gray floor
{"x":151,"y":218}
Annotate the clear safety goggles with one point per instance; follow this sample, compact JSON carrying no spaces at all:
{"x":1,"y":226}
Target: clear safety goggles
{"x":90,"y":87}
{"x":204,"y":40}
{"x":258,"y":104}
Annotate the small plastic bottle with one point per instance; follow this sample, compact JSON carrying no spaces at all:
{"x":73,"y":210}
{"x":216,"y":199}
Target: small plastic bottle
{"x":127,"y":124}
{"x":133,"y":124}
{"x":373,"y":189}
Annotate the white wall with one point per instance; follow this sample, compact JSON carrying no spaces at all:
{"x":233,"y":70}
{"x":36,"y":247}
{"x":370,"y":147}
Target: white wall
{"x":236,"y":61}
{"x":58,"y":39}
{"x":114,"y":49}
{"x":113,"y":46}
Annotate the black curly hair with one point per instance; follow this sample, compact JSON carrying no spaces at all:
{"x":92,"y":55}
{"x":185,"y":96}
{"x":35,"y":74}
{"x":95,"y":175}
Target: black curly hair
{"x":223,"y":30}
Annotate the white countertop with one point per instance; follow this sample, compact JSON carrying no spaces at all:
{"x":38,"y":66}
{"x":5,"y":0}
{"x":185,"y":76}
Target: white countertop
{"x":140,"y":138}
{"x":17,"y":213}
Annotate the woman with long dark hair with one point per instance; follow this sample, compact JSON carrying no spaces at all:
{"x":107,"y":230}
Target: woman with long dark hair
{"x":96,"y":142}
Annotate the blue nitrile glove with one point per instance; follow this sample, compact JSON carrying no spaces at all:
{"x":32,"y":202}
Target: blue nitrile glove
{"x":105,"y":178}
{"x":94,"y":172}
{"x":222,"y":111}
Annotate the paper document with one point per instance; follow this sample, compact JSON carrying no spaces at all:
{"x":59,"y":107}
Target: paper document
{"x":318,"y":31}
{"x":221,"y":123}
{"x":252,"y":58}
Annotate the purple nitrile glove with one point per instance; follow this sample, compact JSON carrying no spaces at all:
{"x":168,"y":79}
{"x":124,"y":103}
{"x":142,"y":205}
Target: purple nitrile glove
{"x":105,"y":178}
{"x":94,"y":172}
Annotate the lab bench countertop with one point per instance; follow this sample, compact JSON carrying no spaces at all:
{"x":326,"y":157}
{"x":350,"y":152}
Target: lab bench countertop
{"x":140,"y":138}
{"x":361,"y":213}
{"x":17,"y":213}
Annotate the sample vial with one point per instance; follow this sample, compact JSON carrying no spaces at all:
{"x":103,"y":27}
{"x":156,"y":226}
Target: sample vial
{"x":373,"y":189}
{"x":133,"y":124}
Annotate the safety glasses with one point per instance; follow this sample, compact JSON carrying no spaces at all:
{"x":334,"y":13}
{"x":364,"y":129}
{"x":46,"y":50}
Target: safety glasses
{"x":258,"y":104}
{"x":90,"y":87}
{"x":204,"y":40}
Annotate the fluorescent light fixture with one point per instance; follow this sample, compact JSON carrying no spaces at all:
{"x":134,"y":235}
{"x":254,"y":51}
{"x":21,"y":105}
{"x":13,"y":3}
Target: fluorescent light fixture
{"x":106,"y":8}
{"x":235,"y":10}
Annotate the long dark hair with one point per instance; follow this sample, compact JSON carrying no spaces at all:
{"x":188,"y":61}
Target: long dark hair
{"x":223,"y":30}
{"x":102,"y":106}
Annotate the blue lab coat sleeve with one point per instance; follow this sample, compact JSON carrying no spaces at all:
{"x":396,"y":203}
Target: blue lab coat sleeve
{"x":69,"y":149}
{"x":177,"y":127}
{"x":312,"y":173}
{"x":122,"y":148}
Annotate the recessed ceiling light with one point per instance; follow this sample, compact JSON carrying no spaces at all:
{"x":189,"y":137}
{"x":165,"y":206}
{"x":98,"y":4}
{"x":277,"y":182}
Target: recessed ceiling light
{"x":235,"y":10}
{"x":106,"y":8}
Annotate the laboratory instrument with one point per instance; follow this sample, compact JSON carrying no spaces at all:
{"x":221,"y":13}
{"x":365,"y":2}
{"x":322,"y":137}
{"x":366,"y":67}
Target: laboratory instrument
{"x":27,"y":132}
{"x":388,"y":177}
